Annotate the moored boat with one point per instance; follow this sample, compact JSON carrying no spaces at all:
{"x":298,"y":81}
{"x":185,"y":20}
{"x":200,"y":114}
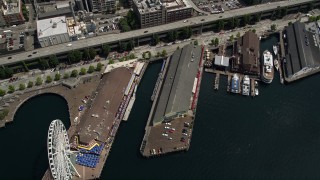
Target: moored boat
{"x":275,"y":50}
{"x":235,"y":84}
{"x":276,"y":64}
{"x":267,"y":68}
{"x":246,"y":86}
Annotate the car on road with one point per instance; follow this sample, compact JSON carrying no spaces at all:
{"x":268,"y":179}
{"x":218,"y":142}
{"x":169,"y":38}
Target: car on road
{"x":68,"y":45}
{"x":164,"y":134}
{"x":185,"y":21}
{"x":202,"y":19}
{"x":167,"y":127}
{"x":145,"y":31}
{"x":168,"y":124}
{"x":220,"y":16}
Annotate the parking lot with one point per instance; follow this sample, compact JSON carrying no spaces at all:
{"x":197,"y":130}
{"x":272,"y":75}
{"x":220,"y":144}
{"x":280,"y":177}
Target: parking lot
{"x":217,"y":6}
{"x":108,"y":25}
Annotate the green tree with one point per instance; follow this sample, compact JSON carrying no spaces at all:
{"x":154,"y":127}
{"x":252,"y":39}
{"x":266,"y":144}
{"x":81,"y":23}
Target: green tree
{"x":220,"y":25}
{"x":83,"y":71}
{"x":123,"y":47}
{"x":257,"y":17}
{"x":155,"y":40}
{"x":149,"y":55}
{"x":164,"y":53}
{"x":130,"y":45}
{"x":22,"y":87}
{"x":254,"y":30}
{"x":178,"y":47}
{"x":2,"y":92}
{"x":231,"y":23}
{"x":71,"y":57}
{"x":86,"y":54}
{"x":284,"y":11}
{"x":57,"y":77}
{"x":92,"y":53}
{"x":170,"y":36}
{"x":196,"y":42}
{"x":99,"y":66}
{"x":48,"y":79}
{"x":91,"y":69}
{"x":8,"y":72}
{"x":289,"y":23}
{"x":236,"y":22}
{"x":44,"y":63}
{"x":106,"y":49}
{"x":2,"y":73}
{"x":238,"y":35}
{"x":246,"y":19}
{"x":11,"y":89}
{"x":66,"y":75}
{"x":158,"y":54}
{"x":30,"y":84}
{"x":25,"y":66}
{"x":231,"y":38}
{"x":273,"y":27}
{"x":110,"y":62}
{"x":216,"y":41}
{"x":144,"y":55}
{"x":123,"y":25}
{"x":53,"y":61}
{"x":39,"y":81}
{"x":74,"y":73}
{"x":77,"y":55}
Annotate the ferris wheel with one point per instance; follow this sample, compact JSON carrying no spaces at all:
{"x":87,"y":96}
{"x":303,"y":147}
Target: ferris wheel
{"x":59,"y":152}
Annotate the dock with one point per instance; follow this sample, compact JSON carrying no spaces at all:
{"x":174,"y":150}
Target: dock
{"x":253,"y":87}
{"x":216,"y":81}
{"x":282,"y":51}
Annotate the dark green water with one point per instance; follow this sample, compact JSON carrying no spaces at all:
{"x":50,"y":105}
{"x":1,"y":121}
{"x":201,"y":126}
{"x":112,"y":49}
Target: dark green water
{"x":273,"y":136}
{"x":23,"y":151}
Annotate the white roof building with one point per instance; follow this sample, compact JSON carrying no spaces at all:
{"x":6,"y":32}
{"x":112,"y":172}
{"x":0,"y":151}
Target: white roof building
{"x":52,"y":31}
{"x":51,"y":26}
{"x":221,"y":61}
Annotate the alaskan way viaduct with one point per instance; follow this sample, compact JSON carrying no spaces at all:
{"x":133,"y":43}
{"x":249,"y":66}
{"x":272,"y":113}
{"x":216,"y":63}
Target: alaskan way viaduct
{"x":198,"y":24}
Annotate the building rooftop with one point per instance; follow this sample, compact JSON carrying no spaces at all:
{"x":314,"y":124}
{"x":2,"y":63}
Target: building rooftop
{"x":11,"y":7}
{"x":302,"y":49}
{"x":52,"y":8}
{"x":51,"y":26}
{"x":176,"y":91}
{"x":221,"y":61}
{"x":146,"y":6}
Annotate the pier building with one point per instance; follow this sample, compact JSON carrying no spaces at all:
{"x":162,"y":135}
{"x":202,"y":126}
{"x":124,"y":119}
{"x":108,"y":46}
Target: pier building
{"x":302,"y":51}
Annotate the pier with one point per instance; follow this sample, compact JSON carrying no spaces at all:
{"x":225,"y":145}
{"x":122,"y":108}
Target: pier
{"x":216,"y":81}
{"x":280,"y":58}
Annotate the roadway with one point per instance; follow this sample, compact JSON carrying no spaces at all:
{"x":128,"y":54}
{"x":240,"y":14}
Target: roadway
{"x":113,"y":38}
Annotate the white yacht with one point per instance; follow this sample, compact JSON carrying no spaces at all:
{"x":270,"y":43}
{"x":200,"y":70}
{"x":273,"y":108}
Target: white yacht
{"x":267,"y":68}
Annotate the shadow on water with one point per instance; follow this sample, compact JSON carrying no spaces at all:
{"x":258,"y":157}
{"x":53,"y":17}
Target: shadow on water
{"x":23,"y":151}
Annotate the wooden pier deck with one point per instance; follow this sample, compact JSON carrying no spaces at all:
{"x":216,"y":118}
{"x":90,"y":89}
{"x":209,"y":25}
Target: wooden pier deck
{"x":282,"y":51}
{"x":216,"y":81}
{"x":253,"y":87}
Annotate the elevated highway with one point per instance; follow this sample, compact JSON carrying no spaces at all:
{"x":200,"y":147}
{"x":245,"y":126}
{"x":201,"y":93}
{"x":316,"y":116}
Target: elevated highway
{"x":142,"y":35}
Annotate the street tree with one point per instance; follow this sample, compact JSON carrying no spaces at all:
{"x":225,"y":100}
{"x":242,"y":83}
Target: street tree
{"x":216,"y":41}
{"x":22,"y":87}
{"x":2,"y":92}
{"x":92,"y":53}
{"x":74,"y":73}
{"x":164,"y":53}
{"x":44,"y":63}
{"x":86,"y":54}
{"x":155,"y":40}
{"x":196,"y":42}
{"x":53,"y":61}
{"x":39,"y":81}
{"x":123,"y":47}
{"x":71,"y":57}
{"x":130,"y":45}
{"x":257,"y":17}
{"x":231,"y":38}
{"x":254,"y":30}
{"x":11,"y":89}
{"x":57,"y":77}
{"x":25,"y":66}
{"x":83,"y":71}
{"x":238,"y":35}
{"x":220,"y":25}
{"x":99,"y":66}
{"x":8,"y":72}
{"x":77,"y":55}
{"x":273,"y":27}
{"x":106,"y":49}
{"x":48,"y":79}
{"x":236,"y":22}
{"x":2,"y":73}
{"x":231,"y":23}
{"x":246,"y":19}
{"x":30,"y":84}
{"x":91,"y":69}
{"x":66,"y":75}
{"x":170,"y":36}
